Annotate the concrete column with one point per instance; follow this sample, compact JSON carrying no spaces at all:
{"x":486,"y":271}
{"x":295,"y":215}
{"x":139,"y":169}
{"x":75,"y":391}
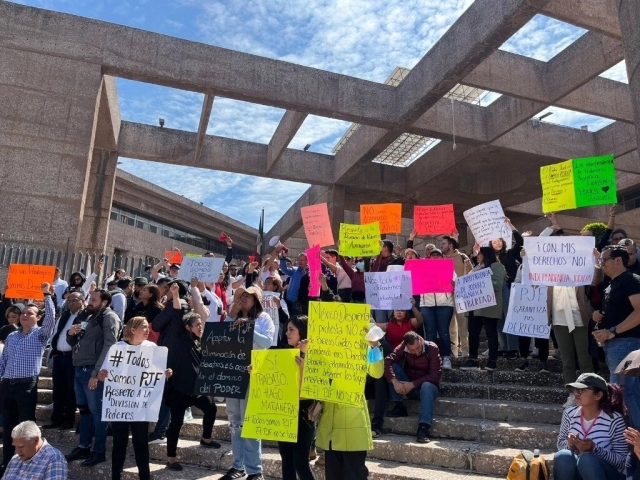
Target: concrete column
{"x":336,"y":208}
{"x":47,"y":124}
{"x":629,"y":15}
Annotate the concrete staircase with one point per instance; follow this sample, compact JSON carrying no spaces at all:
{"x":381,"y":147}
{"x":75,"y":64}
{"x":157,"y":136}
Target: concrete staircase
{"x":482,"y":421}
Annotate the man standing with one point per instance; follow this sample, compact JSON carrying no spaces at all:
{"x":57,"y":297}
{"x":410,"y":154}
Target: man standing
{"x":632,"y":250}
{"x":120,"y":296}
{"x":64,"y":394}
{"x":35,"y":459}
{"x":91,"y":340}
{"x":619,"y":322}
{"x":295,"y":276}
{"x":59,"y":287}
{"x":414,"y":369}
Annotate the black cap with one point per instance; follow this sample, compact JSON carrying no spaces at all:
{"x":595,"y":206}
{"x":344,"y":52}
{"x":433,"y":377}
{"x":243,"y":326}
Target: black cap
{"x":590,"y":380}
{"x":140,"y":281}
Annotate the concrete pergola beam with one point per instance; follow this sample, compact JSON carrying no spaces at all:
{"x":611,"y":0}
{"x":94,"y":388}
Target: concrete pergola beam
{"x":207,"y":105}
{"x":286,"y":130}
{"x":617,"y":138}
{"x":597,"y":15}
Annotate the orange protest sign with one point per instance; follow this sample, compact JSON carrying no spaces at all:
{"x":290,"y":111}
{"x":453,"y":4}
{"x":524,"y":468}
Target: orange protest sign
{"x":25,"y":281}
{"x":389,"y":215}
{"x":173,"y":256}
{"x":434,"y":219}
{"x":317,"y":226}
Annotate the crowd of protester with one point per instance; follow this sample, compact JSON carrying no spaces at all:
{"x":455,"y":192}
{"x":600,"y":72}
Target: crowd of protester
{"x":80,"y":320}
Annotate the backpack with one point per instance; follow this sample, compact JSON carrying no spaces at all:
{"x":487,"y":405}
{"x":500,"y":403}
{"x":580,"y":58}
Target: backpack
{"x":528,"y":466}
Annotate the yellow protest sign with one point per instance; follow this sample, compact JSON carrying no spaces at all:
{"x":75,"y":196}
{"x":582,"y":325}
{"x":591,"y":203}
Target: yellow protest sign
{"x":274,"y":399}
{"x":360,"y":240}
{"x":558,"y":189}
{"x":335,"y":367}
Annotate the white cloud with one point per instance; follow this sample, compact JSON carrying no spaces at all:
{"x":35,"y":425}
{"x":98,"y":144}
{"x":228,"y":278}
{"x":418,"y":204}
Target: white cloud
{"x":617,"y":72}
{"x":571,"y":118}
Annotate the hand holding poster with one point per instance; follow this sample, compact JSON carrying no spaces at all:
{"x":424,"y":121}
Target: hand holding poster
{"x":434,"y":219}
{"x":388,"y":290}
{"x":135,"y":383}
{"x":335,"y":368}
{"x":25,"y":281}
{"x":315,"y":270}
{"x":226,"y":352}
{"x":487,"y":222}
{"x":271,"y":302}
{"x":360,"y":240}
{"x":388,"y":215}
{"x":579,"y":182}
{"x":475,"y":291}
{"x":558,"y":261}
{"x":205,"y":269}
{"x":527,"y":315}
{"x":431,"y":275}
{"x":317,"y":226}
{"x":274,"y":399}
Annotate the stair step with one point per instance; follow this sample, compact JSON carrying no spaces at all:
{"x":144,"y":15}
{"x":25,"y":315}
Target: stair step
{"x":516,"y":393}
{"x":530,"y":378}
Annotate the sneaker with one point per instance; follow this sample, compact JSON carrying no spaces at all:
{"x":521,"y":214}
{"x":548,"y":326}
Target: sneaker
{"x":232,"y":474}
{"x":399,"y":410}
{"x":485,"y":353}
{"x":255,"y":476}
{"x":446,"y":363}
{"x":535,"y":353}
{"x":376,"y":431}
{"x":155,"y":439}
{"x":423,"y":433}
{"x":188,"y":416}
{"x":209,"y":444}
{"x":544,"y":368}
{"x":512,"y":355}
{"x":571,"y":402}
{"x":523,"y":368}
{"x":471,"y":365}
{"x":491,"y":366}
{"x":78,"y":453}
{"x":176,"y":467}
{"x":556,"y":354}
{"x":94,"y":459}
{"x":313,"y":454}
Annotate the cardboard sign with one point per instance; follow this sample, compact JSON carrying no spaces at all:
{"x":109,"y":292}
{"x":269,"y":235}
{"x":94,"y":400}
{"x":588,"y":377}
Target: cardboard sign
{"x":135,"y":384}
{"x":388,"y":215}
{"x":315,"y":269}
{"x":558,"y":261}
{"x":388,"y":290}
{"x":226,"y":353}
{"x":579,"y":182}
{"x":173,"y":256}
{"x":25,"y":281}
{"x":487,"y":223}
{"x":317,"y":226}
{"x":431,"y":275}
{"x":527,"y":315}
{"x":274,"y":401}
{"x":475,"y":291}
{"x":434,"y":219}
{"x":205,"y":269}
{"x":360,"y":240}
{"x":335,"y":368}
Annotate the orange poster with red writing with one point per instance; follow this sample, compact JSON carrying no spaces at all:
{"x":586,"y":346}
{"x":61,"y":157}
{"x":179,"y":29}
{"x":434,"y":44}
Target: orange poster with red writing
{"x":173,"y":256}
{"x":434,"y":219}
{"x":317,"y":226}
{"x":388,"y":215}
{"x":25,"y":281}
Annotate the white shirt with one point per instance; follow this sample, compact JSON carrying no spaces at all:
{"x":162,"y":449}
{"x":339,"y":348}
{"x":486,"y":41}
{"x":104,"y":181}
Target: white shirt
{"x":265,"y":326}
{"x":343,"y":279}
{"x":59,"y":286}
{"x":566,"y":311}
{"x":230,"y":290}
{"x":62,"y":344}
{"x":215,"y":303}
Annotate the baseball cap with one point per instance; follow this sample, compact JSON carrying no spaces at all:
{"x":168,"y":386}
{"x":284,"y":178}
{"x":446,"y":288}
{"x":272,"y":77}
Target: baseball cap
{"x":140,"y":281}
{"x":437,"y":251}
{"x":589,"y":380}
{"x":174,"y":265}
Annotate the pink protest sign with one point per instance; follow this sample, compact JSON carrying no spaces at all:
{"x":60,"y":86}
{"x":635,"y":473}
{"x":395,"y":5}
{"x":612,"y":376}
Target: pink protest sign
{"x":430,"y":275}
{"x":317,"y":226}
{"x":315,"y":269}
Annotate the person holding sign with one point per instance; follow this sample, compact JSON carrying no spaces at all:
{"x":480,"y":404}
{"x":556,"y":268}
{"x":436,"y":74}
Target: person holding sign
{"x":487,"y":317}
{"x":20,"y":365}
{"x":135,"y":332}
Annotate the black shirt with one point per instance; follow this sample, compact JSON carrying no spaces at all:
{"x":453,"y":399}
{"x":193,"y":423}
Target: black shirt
{"x":617,"y":306}
{"x":635,"y":268}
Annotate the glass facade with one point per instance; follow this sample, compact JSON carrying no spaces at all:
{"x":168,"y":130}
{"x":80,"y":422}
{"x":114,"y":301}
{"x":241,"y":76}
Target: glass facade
{"x":135,"y":219}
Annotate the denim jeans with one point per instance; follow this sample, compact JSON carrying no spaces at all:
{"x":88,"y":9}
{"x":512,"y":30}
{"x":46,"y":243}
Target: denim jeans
{"x":90,"y":406}
{"x":437,"y":321}
{"x":614,"y":351}
{"x":427,"y":395}
{"x":247,"y":452}
{"x":381,"y":316}
{"x":506,"y":341}
{"x":569,"y":466}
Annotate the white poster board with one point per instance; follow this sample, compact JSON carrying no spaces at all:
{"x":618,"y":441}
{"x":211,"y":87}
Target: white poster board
{"x":270,"y":305}
{"x":388,"y":290}
{"x":133,"y":389}
{"x":558,"y":261}
{"x":487,"y":223}
{"x":527,"y":315}
{"x":205,"y":269}
{"x":475,"y":291}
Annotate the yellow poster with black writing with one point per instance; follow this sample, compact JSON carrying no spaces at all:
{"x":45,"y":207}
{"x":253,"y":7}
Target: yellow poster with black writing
{"x":359,"y":240}
{"x":274,"y":399}
{"x":335,"y":368}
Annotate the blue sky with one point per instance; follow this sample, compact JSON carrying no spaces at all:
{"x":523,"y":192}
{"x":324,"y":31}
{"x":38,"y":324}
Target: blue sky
{"x":354,"y":37}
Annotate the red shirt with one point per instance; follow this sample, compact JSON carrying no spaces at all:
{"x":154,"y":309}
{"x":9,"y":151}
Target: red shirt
{"x":395,"y":332}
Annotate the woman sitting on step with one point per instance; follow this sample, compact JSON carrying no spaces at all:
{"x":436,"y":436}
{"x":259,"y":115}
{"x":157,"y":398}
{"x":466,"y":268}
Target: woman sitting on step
{"x":591,"y":442}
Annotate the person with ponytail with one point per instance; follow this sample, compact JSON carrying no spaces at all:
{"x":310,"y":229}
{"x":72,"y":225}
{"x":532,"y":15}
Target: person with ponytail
{"x":591,"y":442}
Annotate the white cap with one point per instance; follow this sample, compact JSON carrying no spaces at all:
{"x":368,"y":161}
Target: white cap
{"x":374,"y":334}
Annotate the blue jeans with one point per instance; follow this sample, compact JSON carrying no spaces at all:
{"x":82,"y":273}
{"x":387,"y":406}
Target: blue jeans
{"x":427,"y":395}
{"x":90,"y":406}
{"x":569,"y":466}
{"x":437,"y":321}
{"x":507,"y":341}
{"x":614,"y":351}
{"x":381,"y":316}
{"x":247,"y":452}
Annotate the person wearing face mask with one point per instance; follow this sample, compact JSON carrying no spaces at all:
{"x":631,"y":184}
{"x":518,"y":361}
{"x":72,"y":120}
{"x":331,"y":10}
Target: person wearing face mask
{"x":20,"y":365}
{"x":356,"y":276}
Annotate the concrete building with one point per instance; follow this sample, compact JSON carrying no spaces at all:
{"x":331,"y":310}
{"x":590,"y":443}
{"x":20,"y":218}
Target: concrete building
{"x":61,"y":131}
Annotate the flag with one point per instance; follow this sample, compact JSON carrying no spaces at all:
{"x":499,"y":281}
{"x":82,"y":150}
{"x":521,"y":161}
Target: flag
{"x":260,"y":240}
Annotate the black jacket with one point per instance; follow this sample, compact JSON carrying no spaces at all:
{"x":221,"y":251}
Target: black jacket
{"x":184,"y":359}
{"x":169,"y":324}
